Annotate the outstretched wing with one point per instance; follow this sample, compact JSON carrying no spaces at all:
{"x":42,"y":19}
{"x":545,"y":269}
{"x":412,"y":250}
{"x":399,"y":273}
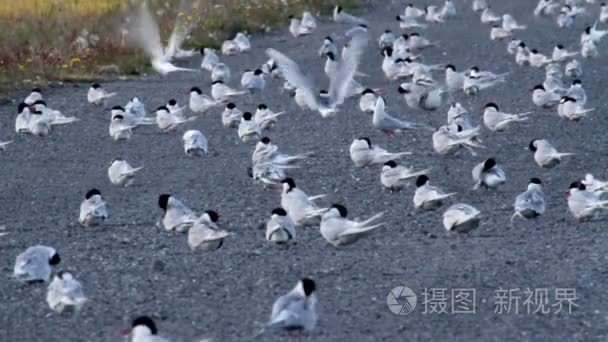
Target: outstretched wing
{"x":146,"y":34}
{"x":292,"y":73}
{"x":341,"y":79}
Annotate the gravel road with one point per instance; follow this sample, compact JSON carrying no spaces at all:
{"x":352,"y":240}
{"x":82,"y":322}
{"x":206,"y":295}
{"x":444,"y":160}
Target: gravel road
{"x":131,"y":267}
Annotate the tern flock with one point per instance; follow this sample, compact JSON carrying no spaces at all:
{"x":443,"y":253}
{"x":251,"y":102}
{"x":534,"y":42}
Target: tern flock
{"x":401,"y":60}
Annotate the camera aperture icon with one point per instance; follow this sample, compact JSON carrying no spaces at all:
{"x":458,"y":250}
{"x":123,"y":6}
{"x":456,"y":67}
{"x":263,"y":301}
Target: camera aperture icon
{"x":401,"y":300}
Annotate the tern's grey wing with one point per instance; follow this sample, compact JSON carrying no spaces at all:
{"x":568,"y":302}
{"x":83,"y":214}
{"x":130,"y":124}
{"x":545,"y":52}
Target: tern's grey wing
{"x":341,"y":79}
{"x":530,"y":200}
{"x":391,"y":123}
{"x":283,"y":303}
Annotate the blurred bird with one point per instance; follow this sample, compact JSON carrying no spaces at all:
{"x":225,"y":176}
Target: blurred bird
{"x":387,"y":38}
{"x":297,"y":27}
{"x":594,"y":185}
{"x":489,"y":17}
{"x":96,"y":95}
{"x":577,"y":92}
{"x":147,"y":37}
{"x":221,"y":72}
{"x":168,"y":121}
{"x":479,"y":5}
{"x":222,"y":92}
{"x":510,"y":24}
{"x":265,"y":117}
{"x":195,"y":143}
{"x":306,"y":95}
{"x":121,"y":173}
{"x":327,"y":47}
{"x":65,"y":292}
{"x":242,"y":42}
{"x":560,"y":54}
{"x":367,"y":101}
{"x":93,"y":210}
{"x":231,"y":116}
{"x":574,"y":69}
{"x":253,"y":80}
{"x":143,"y":329}
{"x":297,"y":309}
{"x":546,"y":7}
{"x":119,"y":129}
{"x":34,"y":95}
{"x":210,"y":59}
{"x":249,"y":130}
{"x":201,"y":103}
{"x":34,"y":264}
{"x":340,"y":16}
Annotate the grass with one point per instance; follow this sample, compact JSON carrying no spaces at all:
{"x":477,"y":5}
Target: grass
{"x":45,"y":40}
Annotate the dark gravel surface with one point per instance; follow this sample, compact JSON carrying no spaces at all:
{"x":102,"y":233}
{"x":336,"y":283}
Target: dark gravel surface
{"x":131,"y":267}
